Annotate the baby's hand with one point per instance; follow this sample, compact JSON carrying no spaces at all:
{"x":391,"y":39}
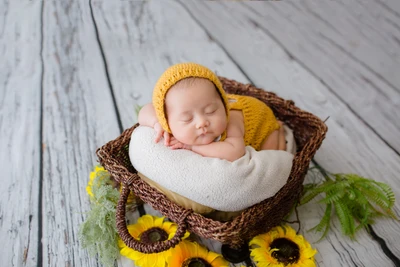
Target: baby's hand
{"x":160,"y":133}
{"x":175,"y":144}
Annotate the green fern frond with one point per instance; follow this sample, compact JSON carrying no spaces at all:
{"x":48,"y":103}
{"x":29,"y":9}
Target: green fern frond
{"x":375,"y":195}
{"x":333,"y":196}
{"x":324,"y":224}
{"x":360,"y":199}
{"x":346,"y":222}
{"x":335,"y":185}
{"x":351,"y":194}
{"x":388,"y":192}
{"x":357,"y":201}
{"x":310,"y":195}
{"x":308,"y":187}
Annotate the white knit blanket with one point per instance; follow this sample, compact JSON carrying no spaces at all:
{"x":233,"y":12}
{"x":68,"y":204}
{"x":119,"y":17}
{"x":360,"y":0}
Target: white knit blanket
{"x":216,"y":183}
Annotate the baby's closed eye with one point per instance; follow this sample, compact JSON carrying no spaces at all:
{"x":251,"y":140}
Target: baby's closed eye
{"x":210,"y":110}
{"x":186,"y":119}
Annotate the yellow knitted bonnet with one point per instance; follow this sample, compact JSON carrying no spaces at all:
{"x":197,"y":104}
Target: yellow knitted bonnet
{"x":175,"y":74}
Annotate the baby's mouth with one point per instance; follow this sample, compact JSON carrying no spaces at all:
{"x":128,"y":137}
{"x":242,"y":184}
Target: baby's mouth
{"x":204,"y":134}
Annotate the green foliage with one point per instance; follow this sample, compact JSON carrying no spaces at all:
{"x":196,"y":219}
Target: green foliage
{"x":98,"y":234}
{"x":356,"y":200}
{"x":137,"y":109}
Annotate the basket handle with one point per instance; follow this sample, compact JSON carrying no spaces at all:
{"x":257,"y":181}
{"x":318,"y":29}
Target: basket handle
{"x":131,"y":242}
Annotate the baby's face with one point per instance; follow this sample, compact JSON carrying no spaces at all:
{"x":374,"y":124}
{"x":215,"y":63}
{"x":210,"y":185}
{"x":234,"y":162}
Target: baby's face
{"x":195,"y":112}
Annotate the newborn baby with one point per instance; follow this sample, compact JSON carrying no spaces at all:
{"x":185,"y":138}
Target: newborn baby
{"x":191,"y":111}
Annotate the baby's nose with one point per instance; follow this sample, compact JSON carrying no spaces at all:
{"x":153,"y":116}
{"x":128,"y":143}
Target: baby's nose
{"x":201,"y":123}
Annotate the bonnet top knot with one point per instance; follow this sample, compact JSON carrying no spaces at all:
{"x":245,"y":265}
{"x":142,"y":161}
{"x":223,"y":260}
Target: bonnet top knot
{"x":175,"y":74}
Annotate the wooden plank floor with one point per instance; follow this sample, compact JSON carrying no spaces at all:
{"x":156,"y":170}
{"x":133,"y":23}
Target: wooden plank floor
{"x":71,"y":73}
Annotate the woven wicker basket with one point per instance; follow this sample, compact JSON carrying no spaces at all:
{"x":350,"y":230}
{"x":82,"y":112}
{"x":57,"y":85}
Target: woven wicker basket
{"x":309,"y":132}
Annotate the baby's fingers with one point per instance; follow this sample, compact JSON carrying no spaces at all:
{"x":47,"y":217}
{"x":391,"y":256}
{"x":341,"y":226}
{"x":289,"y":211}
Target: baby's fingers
{"x":159,"y":134}
{"x":173,"y":141}
{"x":176,"y":146}
{"x":167,"y":138}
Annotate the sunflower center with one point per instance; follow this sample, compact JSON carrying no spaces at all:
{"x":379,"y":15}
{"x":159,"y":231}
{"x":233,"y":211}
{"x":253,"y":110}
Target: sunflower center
{"x":196,"y":262}
{"x":153,"y":235}
{"x":288,"y":251}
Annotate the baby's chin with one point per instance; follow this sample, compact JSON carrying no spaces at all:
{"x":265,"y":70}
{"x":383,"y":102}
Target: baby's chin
{"x":204,"y":139}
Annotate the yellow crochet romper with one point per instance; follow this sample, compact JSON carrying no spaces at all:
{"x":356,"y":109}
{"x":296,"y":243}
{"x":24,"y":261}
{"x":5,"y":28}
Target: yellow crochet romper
{"x":259,"y":120}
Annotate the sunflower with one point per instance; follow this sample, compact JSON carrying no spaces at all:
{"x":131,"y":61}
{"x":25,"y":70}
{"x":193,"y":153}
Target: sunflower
{"x":188,"y":254}
{"x":150,"y":229}
{"x":102,"y":174}
{"x":98,"y":171}
{"x":282,"y":247}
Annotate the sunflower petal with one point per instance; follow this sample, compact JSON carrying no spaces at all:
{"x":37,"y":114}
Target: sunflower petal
{"x":187,"y":249}
{"x":146,"y":220}
{"x":263,"y":240}
{"x":136,"y":230}
{"x":211,"y":256}
{"x":308,"y":263}
{"x":308,"y":253}
{"x":158,"y":221}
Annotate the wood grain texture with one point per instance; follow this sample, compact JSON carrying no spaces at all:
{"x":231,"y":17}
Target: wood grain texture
{"x":142,"y":38}
{"x":352,"y":48}
{"x":334,"y":58}
{"x":365,"y":31}
{"x":78,"y":117}
{"x":350,"y":146}
{"x":391,"y":6}
{"x":20,"y":91}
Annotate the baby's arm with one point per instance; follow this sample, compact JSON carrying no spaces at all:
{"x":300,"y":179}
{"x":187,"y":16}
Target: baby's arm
{"x":147,"y":117}
{"x":232,"y":148}
{"x":276,"y":140}
{"x":272,"y":141}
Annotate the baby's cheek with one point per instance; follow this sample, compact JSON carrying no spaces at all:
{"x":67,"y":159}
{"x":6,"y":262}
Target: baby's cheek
{"x":183,"y":136}
{"x":222,"y":124}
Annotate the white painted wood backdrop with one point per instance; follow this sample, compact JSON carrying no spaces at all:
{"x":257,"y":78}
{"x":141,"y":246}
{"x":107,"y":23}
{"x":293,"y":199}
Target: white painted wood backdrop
{"x":71,"y":73}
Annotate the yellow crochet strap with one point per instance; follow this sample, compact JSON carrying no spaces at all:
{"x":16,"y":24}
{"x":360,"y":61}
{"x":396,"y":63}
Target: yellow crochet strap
{"x":259,"y":119}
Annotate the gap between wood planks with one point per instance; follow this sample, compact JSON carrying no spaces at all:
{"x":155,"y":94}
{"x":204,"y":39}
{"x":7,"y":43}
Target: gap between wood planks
{"x":380,"y":241}
{"x":41,"y":145}
{"x":309,"y":70}
{"x":106,"y":68}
